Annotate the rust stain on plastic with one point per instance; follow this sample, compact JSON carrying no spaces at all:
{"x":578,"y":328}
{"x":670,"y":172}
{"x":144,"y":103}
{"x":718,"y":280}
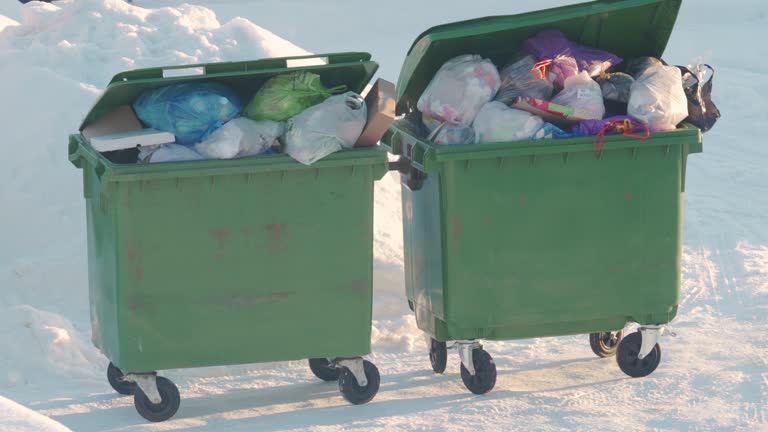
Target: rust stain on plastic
{"x":135,"y":261}
{"x":276,"y":234}
{"x":457,"y":228}
{"x":240,"y":301}
{"x":222,"y":235}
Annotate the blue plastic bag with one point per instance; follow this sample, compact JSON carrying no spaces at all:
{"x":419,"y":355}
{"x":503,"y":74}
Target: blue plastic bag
{"x":550,"y":131}
{"x":191,"y":111}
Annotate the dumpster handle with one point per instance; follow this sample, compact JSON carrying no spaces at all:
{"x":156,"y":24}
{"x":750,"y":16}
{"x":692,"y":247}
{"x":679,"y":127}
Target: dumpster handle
{"x":202,"y":69}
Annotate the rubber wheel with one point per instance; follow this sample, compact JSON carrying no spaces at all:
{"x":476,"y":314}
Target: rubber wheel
{"x":438,"y":356}
{"x":485,"y":373}
{"x":114,"y":375}
{"x":352,"y":391}
{"x":165,"y":409}
{"x":626,"y":357}
{"x":322,"y":369}
{"x":605,"y":344}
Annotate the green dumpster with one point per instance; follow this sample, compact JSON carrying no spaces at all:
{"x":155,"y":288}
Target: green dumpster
{"x":543,"y":238}
{"x":222,"y":262}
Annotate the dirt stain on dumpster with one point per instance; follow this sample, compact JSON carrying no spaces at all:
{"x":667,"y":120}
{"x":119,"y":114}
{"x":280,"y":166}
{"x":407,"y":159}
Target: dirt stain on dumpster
{"x":356,"y":286}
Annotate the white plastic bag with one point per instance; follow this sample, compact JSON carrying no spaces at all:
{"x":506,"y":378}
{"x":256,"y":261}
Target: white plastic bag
{"x":497,"y":122}
{"x":584,"y":94}
{"x":326,"y":128}
{"x":167,"y":153}
{"x":239,"y":138}
{"x":459,"y":89}
{"x":657,"y":98}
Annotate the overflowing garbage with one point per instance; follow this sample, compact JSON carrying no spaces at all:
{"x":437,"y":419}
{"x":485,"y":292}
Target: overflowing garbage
{"x":292,"y":113}
{"x":556,"y":88}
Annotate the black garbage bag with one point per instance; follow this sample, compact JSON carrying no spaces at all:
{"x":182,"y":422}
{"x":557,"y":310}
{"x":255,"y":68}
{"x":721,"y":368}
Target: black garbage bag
{"x":697,"y":84}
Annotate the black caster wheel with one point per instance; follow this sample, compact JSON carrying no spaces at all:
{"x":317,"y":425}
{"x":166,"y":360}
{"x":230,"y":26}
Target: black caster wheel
{"x":355,"y":393}
{"x":605,"y":344}
{"x":626,"y":357}
{"x":114,"y":376}
{"x":167,"y":406}
{"x":322,"y":369}
{"x":438,"y":356}
{"x":485,"y":373}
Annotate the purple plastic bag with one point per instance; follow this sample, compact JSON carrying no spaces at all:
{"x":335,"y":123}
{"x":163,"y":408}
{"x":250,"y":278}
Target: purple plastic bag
{"x":568,"y":58}
{"x":611,"y":126}
{"x":594,"y":127}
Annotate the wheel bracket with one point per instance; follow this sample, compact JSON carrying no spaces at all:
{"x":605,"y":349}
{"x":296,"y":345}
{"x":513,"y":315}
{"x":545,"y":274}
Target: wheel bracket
{"x":466,"y":347}
{"x":355,"y":365}
{"x":147,"y":382}
{"x":650,"y":336}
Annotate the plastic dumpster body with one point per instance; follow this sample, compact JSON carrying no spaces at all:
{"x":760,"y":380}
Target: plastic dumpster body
{"x":222,"y":262}
{"x":542,"y":238}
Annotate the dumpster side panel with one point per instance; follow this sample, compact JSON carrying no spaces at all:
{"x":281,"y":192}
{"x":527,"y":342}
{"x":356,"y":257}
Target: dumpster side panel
{"x":560,"y":243}
{"x":233,"y":269}
{"x":101,"y":232}
{"x":423,"y":252}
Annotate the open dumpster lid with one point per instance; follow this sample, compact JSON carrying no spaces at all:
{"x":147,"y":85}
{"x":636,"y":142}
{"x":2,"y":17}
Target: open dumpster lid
{"x":353,"y":69}
{"x":628,"y":28}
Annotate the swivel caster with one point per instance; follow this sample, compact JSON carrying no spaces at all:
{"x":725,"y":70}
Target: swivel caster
{"x":605,"y":344}
{"x":359,"y":380}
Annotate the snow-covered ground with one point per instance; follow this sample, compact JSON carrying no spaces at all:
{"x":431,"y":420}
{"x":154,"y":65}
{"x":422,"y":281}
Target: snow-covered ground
{"x":55,"y":58}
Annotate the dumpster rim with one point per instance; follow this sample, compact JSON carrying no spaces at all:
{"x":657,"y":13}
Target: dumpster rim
{"x":80,"y":149}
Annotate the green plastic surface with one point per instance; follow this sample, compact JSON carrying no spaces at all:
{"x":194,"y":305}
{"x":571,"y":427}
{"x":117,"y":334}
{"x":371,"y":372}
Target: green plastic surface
{"x":229,"y":261}
{"x":542,"y":238}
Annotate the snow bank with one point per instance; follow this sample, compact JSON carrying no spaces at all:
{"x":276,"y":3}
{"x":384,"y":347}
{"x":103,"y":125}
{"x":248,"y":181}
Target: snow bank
{"x":47,"y":344}
{"x":17,"y":418}
{"x":91,"y":40}
{"x":53,"y":62}
{"x":5,"y":22}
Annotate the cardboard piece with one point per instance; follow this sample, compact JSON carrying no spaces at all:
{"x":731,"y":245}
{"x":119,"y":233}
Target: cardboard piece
{"x":120,"y":130}
{"x":122,"y":119}
{"x":380,"y":102}
{"x":131,"y":139}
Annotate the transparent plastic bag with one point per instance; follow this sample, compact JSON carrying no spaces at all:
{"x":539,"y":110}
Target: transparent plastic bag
{"x":326,"y":128}
{"x":286,"y":95}
{"x":497,"y":122}
{"x":657,"y":98}
{"x":582,"y":93}
{"x":167,"y":153}
{"x":459,"y":88}
{"x":636,"y":66}
{"x":451,"y":133}
{"x":240,"y":137}
{"x":191,"y":111}
{"x":521,"y":78}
